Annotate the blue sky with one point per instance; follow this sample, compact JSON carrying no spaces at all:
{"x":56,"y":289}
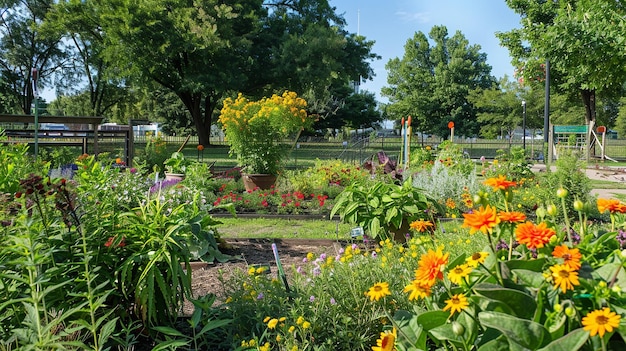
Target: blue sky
{"x":391,"y":23}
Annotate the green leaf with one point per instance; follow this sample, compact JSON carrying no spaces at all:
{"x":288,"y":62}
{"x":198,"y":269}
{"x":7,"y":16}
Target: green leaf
{"x":210,"y":325}
{"x":531,"y":265}
{"x":375,"y":226}
{"x":520,"y":304}
{"x":168,"y":331}
{"x":499,"y":344}
{"x":410,"y":331}
{"x":524,"y":332}
{"x":573,"y":340}
{"x":374,"y":202}
{"x":530,"y":278}
{"x":432,"y":319}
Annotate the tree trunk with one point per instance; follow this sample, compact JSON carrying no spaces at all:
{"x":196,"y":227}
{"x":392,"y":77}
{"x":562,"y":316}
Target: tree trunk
{"x":201,"y":119}
{"x":589,"y":100}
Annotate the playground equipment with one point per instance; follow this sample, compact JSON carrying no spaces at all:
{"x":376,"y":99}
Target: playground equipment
{"x":578,"y":137}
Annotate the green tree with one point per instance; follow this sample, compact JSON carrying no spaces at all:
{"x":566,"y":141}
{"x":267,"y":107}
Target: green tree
{"x":87,"y":75}
{"x":25,"y":45}
{"x":500,"y":108}
{"x":204,"y":51}
{"x":583,"y":41}
{"x":431,"y":83}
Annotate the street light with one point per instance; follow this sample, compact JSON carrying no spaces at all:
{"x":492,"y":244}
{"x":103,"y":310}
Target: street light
{"x":36,"y":98}
{"x":524,"y":123}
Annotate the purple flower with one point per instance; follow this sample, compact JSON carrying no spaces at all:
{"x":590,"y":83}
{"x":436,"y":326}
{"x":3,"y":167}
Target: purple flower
{"x":300,"y":270}
{"x":312,"y":298}
{"x":374,"y":254}
{"x":332,"y":301}
{"x":323,"y":257}
{"x":163,"y":184}
{"x":621,"y":238}
{"x":260,"y":296}
{"x":317,"y":271}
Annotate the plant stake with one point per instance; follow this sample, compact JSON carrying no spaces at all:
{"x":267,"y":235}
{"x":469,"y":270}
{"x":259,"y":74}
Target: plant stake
{"x":281,"y":272}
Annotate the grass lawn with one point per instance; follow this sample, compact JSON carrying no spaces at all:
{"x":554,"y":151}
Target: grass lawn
{"x":454,"y":238}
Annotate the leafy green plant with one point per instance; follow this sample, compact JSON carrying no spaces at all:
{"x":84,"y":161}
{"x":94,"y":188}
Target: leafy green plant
{"x":381,"y":208}
{"x":54,"y":294}
{"x":176,"y":163}
{"x":513,"y":164}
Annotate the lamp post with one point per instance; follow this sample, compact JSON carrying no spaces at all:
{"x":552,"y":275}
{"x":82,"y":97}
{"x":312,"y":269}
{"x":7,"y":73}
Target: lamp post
{"x":524,"y":124}
{"x":36,"y":98}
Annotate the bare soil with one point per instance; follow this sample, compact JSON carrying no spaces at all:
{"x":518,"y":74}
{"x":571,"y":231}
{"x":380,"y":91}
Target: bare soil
{"x":246,"y":252}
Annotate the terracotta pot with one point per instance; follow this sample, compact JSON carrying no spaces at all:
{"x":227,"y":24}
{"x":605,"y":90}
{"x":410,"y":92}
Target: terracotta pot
{"x":174,"y":176}
{"x":261,"y":181}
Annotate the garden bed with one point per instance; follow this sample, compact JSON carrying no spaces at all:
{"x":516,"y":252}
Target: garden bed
{"x":246,"y":252}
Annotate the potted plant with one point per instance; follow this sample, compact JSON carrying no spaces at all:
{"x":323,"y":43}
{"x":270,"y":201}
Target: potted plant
{"x":255,"y":131}
{"x":176,"y":166}
{"x":384,"y":209}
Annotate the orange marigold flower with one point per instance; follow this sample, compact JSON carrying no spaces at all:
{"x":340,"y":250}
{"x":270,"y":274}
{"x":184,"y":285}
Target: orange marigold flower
{"x":611,"y":205}
{"x":500,"y":183}
{"x":533,"y":236}
{"x":431,"y":267}
{"x":571,"y":257}
{"x":483,"y":219}
{"x":421,"y":226}
{"x":512,"y":217}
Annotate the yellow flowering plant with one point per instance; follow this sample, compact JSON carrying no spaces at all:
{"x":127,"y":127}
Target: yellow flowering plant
{"x":256,"y":130}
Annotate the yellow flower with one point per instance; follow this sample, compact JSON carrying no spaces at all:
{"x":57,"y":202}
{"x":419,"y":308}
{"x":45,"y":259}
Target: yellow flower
{"x":601,"y":321}
{"x":387,"y":341}
{"x":306,"y":325}
{"x":300,"y":320}
{"x":378,"y":291}
{"x":266,"y":319}
{"x":564,"y":277}
{"x":456,"y":303}
{"x":272,"y":323}
{"x":265,"y":347}
{"x":459,"y":272}
{"x":477,"y":258}
{"x":292,"y":329}
{"x":417,"y":290}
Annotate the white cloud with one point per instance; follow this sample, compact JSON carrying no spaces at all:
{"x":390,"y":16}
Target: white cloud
{"x":420,"y":17}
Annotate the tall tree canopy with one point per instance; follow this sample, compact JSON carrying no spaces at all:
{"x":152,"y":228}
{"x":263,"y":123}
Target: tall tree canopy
{"x":24,"y":46}
{"x":431,"y":82}
{"x":582,"y":39}
{"x":205,"y":50}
